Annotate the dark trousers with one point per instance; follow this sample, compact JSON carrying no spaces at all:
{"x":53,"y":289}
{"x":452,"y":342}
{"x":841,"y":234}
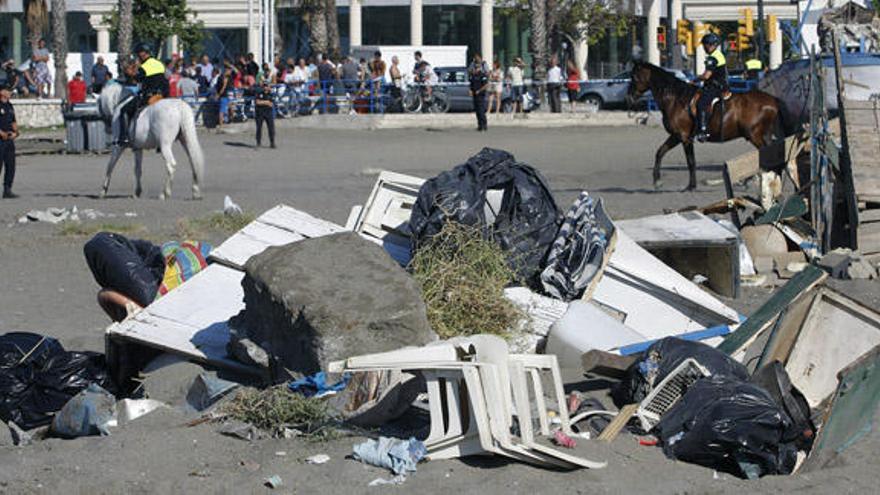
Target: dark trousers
{"x":7,"y":162}
{"x":553,"y":91}
{"x":704,"y":103}
{"x":480,"y":110}
{"x":264,"y":114}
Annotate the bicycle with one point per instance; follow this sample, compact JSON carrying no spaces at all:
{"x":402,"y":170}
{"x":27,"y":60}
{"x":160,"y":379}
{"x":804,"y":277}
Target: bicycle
{"x":416,"y":99}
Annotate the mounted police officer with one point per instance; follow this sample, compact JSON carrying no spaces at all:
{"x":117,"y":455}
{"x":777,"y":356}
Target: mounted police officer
{"x":714,"y":82}
{"x":149,"y":75}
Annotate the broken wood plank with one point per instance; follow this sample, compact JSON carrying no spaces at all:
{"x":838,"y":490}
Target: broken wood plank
{"x":606,"y":364}
{"x":618,"y":423}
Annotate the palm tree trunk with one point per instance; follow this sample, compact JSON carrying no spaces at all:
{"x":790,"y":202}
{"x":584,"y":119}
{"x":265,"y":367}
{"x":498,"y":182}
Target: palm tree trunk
{"x":123,"y":37}
{"x":36,"y":18}
{"x":538,"y":40}
{"x":333,"y":48}
{"x":317,"y":23}
{"x":59,"y":46}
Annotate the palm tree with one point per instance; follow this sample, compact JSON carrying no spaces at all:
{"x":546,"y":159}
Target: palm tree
{"x":37,"y":19}
{"x":538,"y":39}
{"x":123,"y":37}
{"x":59,"y":46}
{"x":316,"y":20}
{"x":332,"y":30}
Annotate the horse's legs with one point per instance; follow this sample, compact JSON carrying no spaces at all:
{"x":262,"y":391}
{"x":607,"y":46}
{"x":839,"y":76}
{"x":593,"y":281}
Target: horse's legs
{"x":138,"y":171}
{"x":114,"y":157}
{"x":197,"y":193}
{"x":692,"y":165}
{"x":671,"y":142}
{"x":169,"y":169}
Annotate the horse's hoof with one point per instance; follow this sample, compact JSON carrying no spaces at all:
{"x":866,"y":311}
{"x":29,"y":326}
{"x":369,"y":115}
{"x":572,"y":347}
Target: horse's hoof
{"x":161,"y":197}
{"x":197,"y":197}
{"x":657,"y":184}
{"x":102,"y":195}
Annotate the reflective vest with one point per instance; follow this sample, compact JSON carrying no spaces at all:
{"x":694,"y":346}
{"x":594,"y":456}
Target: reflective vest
{"x":754,"y":64}
{"x":719,"y":58}
{"x":152,"y":67}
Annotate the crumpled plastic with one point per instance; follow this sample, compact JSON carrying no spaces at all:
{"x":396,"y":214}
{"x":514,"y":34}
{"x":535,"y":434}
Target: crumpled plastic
{"x":91,"y":412}
{"x":398,"y":455}
{"x":316,"y":385}
{"x":37,"y":377}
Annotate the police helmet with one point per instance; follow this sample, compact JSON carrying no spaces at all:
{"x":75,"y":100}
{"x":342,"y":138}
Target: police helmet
{"x":710,"y":39}
{"x":143,"y":47}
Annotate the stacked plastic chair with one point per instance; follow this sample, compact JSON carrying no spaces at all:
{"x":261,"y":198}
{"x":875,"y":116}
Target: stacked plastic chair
{"x":480,"y":399}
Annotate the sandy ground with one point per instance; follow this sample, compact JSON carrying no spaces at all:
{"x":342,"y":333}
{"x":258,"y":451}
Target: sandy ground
{"x":48,"y":289}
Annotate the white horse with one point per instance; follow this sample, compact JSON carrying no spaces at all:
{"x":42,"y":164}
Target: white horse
{"x":156,"y":126}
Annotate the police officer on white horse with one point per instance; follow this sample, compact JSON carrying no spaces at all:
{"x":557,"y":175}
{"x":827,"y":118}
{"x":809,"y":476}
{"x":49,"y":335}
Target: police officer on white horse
{"x":149,"y":74}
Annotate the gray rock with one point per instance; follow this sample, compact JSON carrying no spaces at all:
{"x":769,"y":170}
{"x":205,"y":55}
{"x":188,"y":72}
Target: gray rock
{"x":861,"y":269}
{"x":314,"y":301}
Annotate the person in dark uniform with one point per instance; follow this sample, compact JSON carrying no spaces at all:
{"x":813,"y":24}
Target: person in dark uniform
{"x":8,"y":133}
{"x":265,"y":112}
{"x":754,"y":68}
{"x":149,"y":75}
{"x":714,"y":82}
{"x":478,"y":74}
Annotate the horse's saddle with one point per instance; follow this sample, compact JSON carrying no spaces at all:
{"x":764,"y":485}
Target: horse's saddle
{"x":696,"y":98}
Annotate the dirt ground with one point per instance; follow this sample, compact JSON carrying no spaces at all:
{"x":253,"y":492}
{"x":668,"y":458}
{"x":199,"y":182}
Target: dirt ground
{"x":47,"y":288}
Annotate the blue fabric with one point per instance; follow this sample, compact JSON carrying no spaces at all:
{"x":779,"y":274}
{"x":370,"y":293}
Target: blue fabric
{"x":316,"y":385}
{"x":398,"y":455}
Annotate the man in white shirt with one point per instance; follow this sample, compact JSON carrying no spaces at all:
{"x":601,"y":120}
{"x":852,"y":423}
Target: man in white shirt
{"x":554,"y":85}
{"x":207,"y":67}
{"x":517,"y":86}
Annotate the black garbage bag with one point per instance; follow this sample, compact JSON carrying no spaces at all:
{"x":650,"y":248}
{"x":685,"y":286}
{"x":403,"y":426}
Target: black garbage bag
{"x":657,"y":361}
{"x":525,"y":225}
{"x":730,"y":425}
{"x":773,"y":378}
{"x":37,"y":377}
{"x":129,"y":266}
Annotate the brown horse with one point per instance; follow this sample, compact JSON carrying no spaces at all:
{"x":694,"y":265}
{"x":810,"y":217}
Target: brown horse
{"x":755,"y":116}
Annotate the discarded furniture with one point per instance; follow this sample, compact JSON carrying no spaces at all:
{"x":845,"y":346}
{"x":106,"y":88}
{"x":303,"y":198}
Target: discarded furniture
{"x":692,"y":244}
{"x":384,"y":218}
{"x":477,"y":376}
{"x":191,"y":321}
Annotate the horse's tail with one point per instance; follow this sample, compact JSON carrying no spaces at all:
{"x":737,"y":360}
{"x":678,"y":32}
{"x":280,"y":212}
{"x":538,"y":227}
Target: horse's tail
{"x":191,"y":140}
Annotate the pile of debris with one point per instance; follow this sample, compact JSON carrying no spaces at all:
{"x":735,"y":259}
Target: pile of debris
{"x":331,"y":327}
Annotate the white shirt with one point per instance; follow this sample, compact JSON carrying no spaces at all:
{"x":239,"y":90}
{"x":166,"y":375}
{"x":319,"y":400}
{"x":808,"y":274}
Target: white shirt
{"x":516,"y":75}
{"x":554,"y":75}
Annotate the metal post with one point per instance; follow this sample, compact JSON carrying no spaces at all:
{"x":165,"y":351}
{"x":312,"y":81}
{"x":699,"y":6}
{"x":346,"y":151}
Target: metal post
{"x":671,"y":37}
{"x":760,"y":33}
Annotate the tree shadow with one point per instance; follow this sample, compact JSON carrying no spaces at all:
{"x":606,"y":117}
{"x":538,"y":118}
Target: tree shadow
{"x":83,"y":195}
{"x":239,"y":144}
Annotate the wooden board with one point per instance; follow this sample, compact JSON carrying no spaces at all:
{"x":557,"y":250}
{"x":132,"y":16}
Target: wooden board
{"x":618,"y":423}
{"x":190,"y":321}
{"x":276,"y":227}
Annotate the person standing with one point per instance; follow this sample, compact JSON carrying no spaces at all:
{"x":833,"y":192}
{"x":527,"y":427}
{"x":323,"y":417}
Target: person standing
{"x":478,"y":75}
{"x":496,"y":87}
{"x":517,"y":86}
{"x":554,"y":85}
{"x":100,"y":75}
{"x":572,"y":84}
{"x":40,"y":63}
{"x":207,"y":67}
{"x":265,"y":112}
{"x":8,"y":133}
{"x":76,"y":89}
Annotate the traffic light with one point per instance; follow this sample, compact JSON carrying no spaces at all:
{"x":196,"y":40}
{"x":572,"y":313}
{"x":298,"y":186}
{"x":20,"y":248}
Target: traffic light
{"x":743,"y":41}
{"x":747,"y":22}
{"x":661,"y":38}
{"x":771,"y":30}
{"x":682,"y":29}
{"x":731,"y":42}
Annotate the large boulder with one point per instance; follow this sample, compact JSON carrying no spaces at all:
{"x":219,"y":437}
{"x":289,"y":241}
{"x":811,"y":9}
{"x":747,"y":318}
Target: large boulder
{"x":314,"y":301}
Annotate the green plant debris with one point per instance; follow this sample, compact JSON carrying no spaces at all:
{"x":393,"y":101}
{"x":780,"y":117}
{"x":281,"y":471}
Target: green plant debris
{"x":83,"y":229}
{"x":275,"y":408}
{"x":463,"y":276}
{"x":196,"y":228}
